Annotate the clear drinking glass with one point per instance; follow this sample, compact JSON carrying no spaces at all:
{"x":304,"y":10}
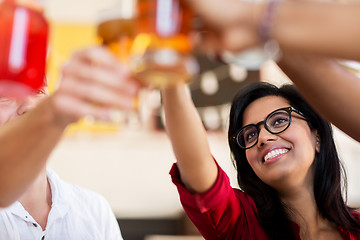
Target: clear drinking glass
{"x":162,"y":50}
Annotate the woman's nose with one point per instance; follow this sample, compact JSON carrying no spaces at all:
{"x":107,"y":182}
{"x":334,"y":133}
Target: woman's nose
{"x":265,"y":136}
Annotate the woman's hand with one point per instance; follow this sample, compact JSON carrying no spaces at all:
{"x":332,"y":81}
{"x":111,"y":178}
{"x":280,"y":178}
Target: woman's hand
{"x":228,"y":25}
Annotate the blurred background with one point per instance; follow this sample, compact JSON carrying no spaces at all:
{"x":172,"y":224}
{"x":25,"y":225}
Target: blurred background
{"x":129,"y":163}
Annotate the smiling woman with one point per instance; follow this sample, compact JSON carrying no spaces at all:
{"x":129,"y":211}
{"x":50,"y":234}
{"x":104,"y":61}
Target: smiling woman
{"x":296,"y":142}
{"x":287,"y":165}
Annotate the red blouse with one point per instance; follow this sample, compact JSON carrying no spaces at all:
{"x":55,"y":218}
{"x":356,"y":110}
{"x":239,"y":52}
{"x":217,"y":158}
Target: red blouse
{"x":224,"y":212}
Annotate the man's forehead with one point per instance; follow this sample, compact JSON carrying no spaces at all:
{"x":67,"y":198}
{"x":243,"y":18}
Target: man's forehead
{"x":41,"y":91}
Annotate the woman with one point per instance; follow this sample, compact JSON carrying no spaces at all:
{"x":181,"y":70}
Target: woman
{"x":287,"y":165}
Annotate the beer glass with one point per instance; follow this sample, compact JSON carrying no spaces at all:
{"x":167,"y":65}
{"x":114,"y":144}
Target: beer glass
{"x":116,"y":30}
{"x":161,"y":53}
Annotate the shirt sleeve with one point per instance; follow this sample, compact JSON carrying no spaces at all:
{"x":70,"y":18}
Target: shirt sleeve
{"x":220,"y":213}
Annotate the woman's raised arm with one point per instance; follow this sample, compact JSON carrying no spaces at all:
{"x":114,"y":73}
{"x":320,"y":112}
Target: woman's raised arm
{"x":189,"y":141}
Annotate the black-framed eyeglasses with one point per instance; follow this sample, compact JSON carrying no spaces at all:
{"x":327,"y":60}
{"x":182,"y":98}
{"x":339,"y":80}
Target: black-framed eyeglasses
{"x":276,"y":122}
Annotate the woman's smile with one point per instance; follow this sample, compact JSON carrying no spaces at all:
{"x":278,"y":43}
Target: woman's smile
{"x":274,"y":154}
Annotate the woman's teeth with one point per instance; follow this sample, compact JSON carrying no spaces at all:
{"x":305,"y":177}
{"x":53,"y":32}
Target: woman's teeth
{"x":274,"y":153}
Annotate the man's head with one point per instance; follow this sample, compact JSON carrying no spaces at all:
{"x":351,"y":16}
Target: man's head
{"x":12,"y":108}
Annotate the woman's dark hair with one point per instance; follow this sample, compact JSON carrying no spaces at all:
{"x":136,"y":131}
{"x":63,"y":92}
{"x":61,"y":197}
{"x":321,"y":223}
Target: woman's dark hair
{"x":272,"y":212}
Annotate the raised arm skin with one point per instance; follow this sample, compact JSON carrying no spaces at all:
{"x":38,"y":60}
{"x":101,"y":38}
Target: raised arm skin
{"x":328,"y":29}
{"x":189,"y":140}
{"x":26,"y":143}
{"x":325,"y":28}
{"x":331,"y":89}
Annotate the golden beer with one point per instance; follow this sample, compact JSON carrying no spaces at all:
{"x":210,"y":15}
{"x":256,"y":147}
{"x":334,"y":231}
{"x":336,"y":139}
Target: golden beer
{"x":116,"y":29}
{"x":162,"y":49}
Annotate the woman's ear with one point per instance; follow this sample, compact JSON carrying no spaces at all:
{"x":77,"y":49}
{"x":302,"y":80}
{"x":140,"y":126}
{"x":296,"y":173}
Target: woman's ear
{"x":318,"y":143}
{"x":317,"y":140}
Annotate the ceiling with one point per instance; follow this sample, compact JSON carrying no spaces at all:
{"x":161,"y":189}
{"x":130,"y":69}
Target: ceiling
{"x":75,"y":10}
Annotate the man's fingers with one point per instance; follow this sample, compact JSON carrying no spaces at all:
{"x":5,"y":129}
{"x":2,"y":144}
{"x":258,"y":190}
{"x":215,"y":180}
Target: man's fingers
{"x":98,"y":94}
{"x":78,"y":69}
{"x":96,"y":56}
{"x":93,"y":82}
